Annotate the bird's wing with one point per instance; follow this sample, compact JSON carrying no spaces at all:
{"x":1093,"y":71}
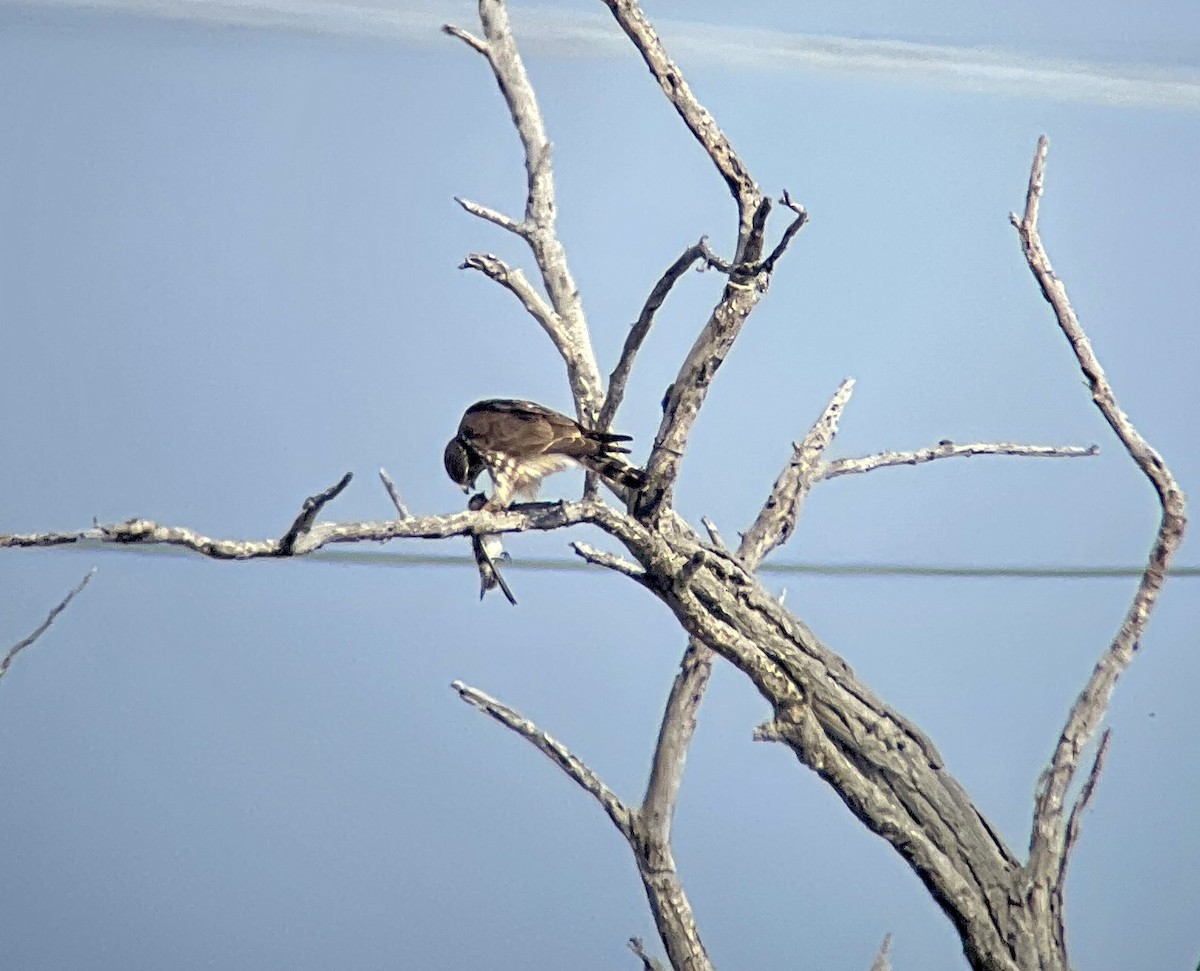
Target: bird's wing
{"x":521,"y":428}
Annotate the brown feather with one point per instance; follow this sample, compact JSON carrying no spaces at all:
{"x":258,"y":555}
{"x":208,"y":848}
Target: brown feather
{"x":522,"y":442}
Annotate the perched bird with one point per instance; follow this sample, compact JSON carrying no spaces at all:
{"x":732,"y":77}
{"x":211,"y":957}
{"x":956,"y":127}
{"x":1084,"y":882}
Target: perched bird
{"x":519,"y":443}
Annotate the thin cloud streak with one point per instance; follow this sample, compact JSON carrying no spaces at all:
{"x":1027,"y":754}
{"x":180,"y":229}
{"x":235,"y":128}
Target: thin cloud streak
{"x":555,"y":33}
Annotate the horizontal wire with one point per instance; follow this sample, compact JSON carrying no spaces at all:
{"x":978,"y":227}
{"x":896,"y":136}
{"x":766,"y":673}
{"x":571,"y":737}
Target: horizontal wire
{"x":565,"y":564}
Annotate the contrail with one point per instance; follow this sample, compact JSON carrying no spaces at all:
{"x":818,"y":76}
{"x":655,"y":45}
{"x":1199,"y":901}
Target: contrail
{"x":553,"y":33}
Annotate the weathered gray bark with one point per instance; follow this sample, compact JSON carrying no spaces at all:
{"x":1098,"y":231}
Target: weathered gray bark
{"x":1008,"y":913}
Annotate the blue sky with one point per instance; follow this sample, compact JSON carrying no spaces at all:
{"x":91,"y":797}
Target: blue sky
{"x":228,"y":275}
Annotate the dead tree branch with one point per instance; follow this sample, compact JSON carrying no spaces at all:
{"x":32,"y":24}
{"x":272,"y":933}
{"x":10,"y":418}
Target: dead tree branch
{"x":748,"y":280}
{"x":882,"y":766}
{"x":1075,"y":820}
{"x":620,"y":814}
{"x":674,"y":740}
{"x":1050,"y":839}
{"x":699,"y":121}
{"x":777,"y":519}
{"x":538,"y":517}
{"x":654,"y":861}
{"x":681,"y":712}
{"x":44,"y":626}
{"x":393,"y":494}
{"x":882,"y":962}
{"x":949,"y":450}
{"x":495,"y":217}
{"x":601,"y":558}
{"x":567,"y":327}
{"x":515,"y":282}
{"x":648,"y":963}
{"x":768,"y":265}
{"x":303,"y":523}
{"x":641,"y":327}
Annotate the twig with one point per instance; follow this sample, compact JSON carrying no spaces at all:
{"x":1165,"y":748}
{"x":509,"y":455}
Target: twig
{"x":768,"y":265}
{"x":555,"y":751}
{"x":18,"y":647}
{"x":648,"y":963}
{"x":515,"y":281}
{"x":641,"y":328}
{"x":777,"y":519}
{"x":1085,"y":799}
{"x":881,"y":962}
{"x":687,"y":394}
{"x":713,"y":533}
{"x":948,"y":450}
{"x":494,"y":216}
{"x":469,"y":39}
{"x":308,"y":513}
{"x":609,"y":561}
{"x":674,"y":739}
{"x":394,"y":493}
{"x":1050,"y":840}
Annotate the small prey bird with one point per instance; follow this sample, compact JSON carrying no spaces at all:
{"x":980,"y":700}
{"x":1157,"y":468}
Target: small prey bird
{"x":489,"y":552}
{"x":519,"y":443}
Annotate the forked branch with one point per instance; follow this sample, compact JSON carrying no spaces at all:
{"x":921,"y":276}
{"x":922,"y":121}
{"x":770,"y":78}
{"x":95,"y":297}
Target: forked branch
{"x":540,"y":517}
{"x":555,"y":751}
{"x":886,"y":771}
{"x":515,"y":282}
{"x":768,"y":265}
{"x":641,"y":327}
{"x":303,"y":523}
{"x":653,"y":859}
{"x":1051,"y":838}
{"x":777,"y":519}
{"x":748,"y":280}
{"x":568,"y":326}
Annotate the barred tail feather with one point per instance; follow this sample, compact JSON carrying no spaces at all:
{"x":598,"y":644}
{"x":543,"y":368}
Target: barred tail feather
{"x":607,"y":442}
{"x":606,"y":459}
{"x":617,"y":471}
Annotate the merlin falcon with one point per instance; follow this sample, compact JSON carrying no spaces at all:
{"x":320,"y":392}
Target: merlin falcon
{"x":519,"y":443}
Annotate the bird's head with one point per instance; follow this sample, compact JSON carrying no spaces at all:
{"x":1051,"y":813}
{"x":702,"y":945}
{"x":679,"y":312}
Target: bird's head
{"x":463,"y":463}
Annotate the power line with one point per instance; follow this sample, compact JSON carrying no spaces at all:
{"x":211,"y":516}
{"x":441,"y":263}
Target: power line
{"x":568,"y":564}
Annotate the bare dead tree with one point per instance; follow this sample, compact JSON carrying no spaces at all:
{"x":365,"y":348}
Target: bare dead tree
{"x":1007,"y":911}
